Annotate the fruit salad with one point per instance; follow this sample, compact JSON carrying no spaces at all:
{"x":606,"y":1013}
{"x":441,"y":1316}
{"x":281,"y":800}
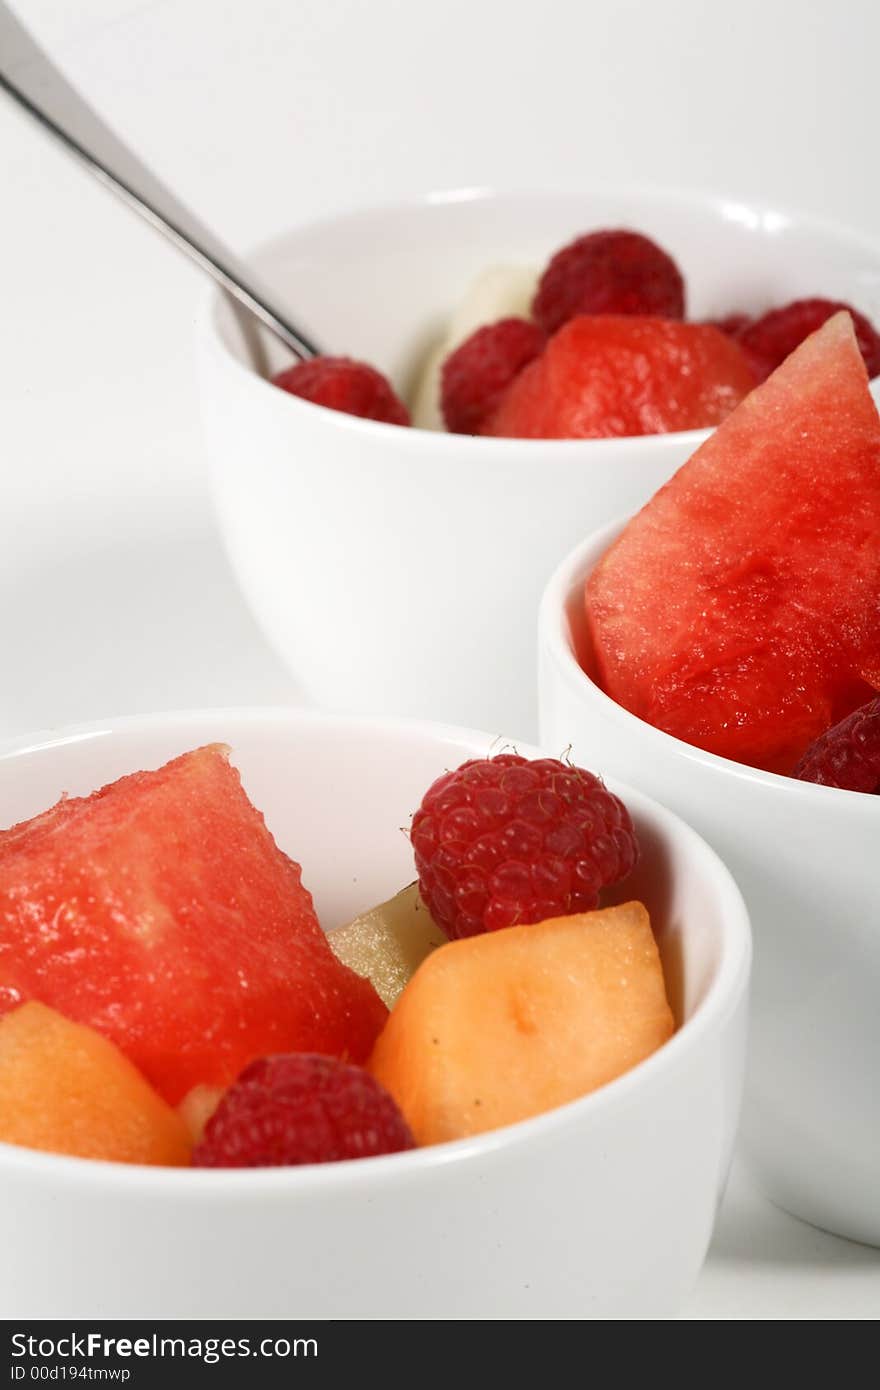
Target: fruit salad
{"x":596,"y":345}
{"x":168,"y":997}
{"x":738,"y":610}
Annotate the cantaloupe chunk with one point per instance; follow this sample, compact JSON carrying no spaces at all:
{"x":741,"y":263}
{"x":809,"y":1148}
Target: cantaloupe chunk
{"x":388,"y":943}
{"x":499,"y":1027}
{"x":65,"y":1088}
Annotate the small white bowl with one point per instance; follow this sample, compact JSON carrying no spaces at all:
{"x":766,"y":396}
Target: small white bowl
{"x":602,"y":1208}
{"x":389,"y":567}
{"x":805,"y":858}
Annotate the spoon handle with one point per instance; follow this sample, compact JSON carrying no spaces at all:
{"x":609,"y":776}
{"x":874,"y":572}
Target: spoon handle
{"x":47,"y":97}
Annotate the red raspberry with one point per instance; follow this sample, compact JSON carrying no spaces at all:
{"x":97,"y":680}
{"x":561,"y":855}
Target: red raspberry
{"x":848,"y":755}
{"x":340,"y":383}
{"x":613,"y":272}
{"x":478,"y":372}
{"x":301,"y":1108}
{"x":504,"y":840}
{"x":770,"y":339}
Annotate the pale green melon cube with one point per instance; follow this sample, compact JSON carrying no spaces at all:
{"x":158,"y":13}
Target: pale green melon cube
{"x":389,"y":943}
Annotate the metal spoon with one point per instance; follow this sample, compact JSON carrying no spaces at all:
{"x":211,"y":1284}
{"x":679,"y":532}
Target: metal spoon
{"x":41,"y":91}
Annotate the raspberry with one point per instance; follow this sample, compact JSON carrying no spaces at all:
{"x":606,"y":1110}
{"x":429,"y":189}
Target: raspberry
{"x":340,"y":383}
{"x":611,"y":272}
{"x":504,"y":840}
{"x":478,"y":372}
{"x":770,"y":339}
{"x":847,"y":755}
{"x":301,"y":1108}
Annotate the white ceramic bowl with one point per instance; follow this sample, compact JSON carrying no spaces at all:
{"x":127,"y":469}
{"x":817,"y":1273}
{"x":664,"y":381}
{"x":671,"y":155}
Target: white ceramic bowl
{"x":805,"y":858}
{"x":602,"y":1208}
{"x":389,"y":567}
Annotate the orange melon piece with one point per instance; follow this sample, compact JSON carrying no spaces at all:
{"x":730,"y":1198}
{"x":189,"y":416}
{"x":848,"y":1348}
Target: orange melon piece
{"x":496,"y":1028}
{"x":65,"y":1088}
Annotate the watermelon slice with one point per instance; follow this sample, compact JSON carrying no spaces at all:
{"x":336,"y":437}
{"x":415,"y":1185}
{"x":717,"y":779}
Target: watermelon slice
{"x":160,"y":912}
{"x":739,"y":609}
{"x":604,"y":375}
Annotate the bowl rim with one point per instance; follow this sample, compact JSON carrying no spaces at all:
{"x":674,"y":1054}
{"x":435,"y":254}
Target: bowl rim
{"x":721,"y":1000}
{"x":209,"y":336}
{"x":564,"y":585}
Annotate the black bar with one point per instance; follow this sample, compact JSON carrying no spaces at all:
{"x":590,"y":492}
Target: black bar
{"x":136,"y":1354}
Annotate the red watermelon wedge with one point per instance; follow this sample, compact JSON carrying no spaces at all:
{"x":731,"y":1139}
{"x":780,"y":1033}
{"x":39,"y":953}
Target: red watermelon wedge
{"x":740,"y":609}
{"x":160,"y":912}
{"x":604,"y":375}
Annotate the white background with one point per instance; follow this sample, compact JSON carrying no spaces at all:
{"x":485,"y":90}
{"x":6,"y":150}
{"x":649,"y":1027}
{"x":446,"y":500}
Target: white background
{"x":114,"y":594}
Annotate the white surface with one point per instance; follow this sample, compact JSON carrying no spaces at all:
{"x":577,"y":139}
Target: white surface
{"x":114,"y":595}
{"x":765,"y":1265}
{"x":602,"y":1233}
{"x":810,"y":1118}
